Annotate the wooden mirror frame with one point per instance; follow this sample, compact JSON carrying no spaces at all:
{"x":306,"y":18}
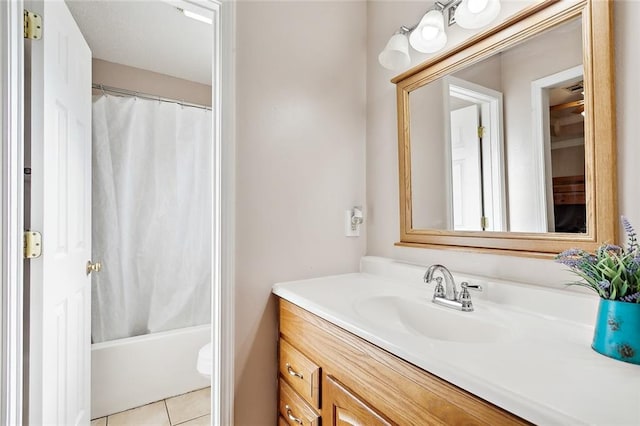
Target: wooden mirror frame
{"x":600,"y":157}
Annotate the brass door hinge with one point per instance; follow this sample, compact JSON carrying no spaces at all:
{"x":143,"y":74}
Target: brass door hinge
{"x":481,"y":131}
{"x":32,"y":244}
{"x":484,"y":222}
{"x":32,"y":25}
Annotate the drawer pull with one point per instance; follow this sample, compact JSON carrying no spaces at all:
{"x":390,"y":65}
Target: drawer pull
{"x":293,"y":372}
{"x":291,"y":416}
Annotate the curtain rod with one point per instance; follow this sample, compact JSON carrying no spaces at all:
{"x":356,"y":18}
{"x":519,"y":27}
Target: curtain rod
{"x":141,"y":95}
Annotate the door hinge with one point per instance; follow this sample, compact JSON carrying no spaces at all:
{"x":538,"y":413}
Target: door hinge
{"x":32,"y":25}
{"x":32,"y":244}
{"x":480,"y":131}
{"x":484,"y":222}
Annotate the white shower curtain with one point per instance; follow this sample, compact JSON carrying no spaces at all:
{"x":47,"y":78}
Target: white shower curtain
{"x":151,"y":216}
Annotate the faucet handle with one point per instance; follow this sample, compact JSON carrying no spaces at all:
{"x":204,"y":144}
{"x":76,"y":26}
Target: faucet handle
{"x":465,"y":298}
{"x":465,"y":285}
{"x":439,"y":290}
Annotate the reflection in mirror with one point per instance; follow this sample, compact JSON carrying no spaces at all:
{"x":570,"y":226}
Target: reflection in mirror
{"x":558,"y":101}
{"x":499,"y":145}
{"x":476,"y":167}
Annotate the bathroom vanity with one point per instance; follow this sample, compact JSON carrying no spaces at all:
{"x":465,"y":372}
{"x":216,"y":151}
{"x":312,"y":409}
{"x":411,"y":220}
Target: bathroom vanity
{"x":350,"y":380}
{"x":371,"y":348}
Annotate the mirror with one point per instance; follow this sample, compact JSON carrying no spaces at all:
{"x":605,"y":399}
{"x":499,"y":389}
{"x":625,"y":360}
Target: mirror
{"x":498,"y":137}
{"x":498,"y":134}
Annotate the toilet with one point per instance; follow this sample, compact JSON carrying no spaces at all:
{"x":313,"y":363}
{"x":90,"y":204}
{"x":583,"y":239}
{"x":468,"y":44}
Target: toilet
{"x":205,"y":360}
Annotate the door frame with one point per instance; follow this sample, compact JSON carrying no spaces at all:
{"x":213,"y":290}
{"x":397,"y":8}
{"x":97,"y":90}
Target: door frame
{"x":223,"y":294}
{"x":542,"y":142}
{"x":11,"y":266}
{"x":490,"y":103}
{"x":11,"y":184}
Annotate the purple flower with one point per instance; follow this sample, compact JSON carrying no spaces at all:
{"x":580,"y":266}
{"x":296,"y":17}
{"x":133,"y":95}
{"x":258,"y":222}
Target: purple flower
{"x":573,"y":252}
{"x":588,"y":272}
{"x":634,"y":265}
{"x":570,"y":262}
{"x":572,"y":257}
{"x":610,"y":249}
{"x":604,"y":284}
{"x":631,"y":297}
{"x":631,"y":234}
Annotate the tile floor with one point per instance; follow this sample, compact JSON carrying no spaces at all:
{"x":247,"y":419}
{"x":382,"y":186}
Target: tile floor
{"x":189,"y":409}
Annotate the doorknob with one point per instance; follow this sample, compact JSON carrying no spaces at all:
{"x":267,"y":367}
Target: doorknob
{"x":93,"y":267}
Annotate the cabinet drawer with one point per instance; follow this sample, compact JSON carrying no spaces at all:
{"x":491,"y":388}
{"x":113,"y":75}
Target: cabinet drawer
{"x":294,"y":409}
{"x":282,"y":421}
{"x":301,"y":373}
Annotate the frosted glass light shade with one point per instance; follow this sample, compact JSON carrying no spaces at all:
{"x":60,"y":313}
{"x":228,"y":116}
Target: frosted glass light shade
{"x":472,"y":14}
{"x":429,"y":36}
{"x":395,"y":55}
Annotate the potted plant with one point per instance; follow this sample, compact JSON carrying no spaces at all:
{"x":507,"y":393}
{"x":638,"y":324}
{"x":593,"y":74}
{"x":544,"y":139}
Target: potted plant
{"x":614,"y":273}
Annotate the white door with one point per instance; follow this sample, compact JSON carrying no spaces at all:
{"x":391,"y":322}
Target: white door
{"x":465,"y":169}
{"x":60,"y":208}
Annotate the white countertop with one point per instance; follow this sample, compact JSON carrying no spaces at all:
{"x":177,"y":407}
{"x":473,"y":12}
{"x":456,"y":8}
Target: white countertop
{"x":543,"y":371}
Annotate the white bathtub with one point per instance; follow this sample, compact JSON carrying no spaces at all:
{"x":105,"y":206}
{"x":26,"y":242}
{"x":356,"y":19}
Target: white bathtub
{"x":131,"y":372}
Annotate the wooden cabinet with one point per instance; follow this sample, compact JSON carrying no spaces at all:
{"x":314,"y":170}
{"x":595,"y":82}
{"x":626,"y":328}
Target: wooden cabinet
{"x":348,"y":381}
{"x":294,"y":409}
{"x":569,"y":190}
{"x":343,"y":408}
{"x":282,"y":421}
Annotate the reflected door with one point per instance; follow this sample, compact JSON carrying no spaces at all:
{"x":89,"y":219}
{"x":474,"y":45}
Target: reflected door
{"x":466,"y":170}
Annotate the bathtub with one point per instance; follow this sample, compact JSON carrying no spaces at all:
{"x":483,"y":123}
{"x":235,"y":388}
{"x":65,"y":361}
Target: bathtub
{"x":131,"y":372}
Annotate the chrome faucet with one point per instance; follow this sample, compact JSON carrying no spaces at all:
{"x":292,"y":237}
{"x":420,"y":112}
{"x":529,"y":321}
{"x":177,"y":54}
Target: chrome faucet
{"x":448,"y":295}
{"x":450,"y":292}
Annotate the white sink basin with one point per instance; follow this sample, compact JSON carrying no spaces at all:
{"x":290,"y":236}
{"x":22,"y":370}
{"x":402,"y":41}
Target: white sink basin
{"x":424,"y":318}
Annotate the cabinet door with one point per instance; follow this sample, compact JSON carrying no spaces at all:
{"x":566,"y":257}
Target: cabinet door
{"x":342,"y":408}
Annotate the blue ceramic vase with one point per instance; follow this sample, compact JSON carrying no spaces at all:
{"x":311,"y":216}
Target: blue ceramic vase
{"x":617,"y":333}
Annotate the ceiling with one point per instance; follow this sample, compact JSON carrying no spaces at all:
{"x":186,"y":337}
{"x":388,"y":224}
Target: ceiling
{"x":152,"y":35}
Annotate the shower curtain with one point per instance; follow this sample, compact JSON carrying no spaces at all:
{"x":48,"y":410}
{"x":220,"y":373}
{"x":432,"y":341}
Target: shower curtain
{"x":151,"y":216}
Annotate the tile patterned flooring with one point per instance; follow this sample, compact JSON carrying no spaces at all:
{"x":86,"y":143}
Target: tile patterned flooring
{"x":189,"y":409}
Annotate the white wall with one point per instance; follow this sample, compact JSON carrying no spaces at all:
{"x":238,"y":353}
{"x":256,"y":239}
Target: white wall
{"x":301,"y":114}
{"x":382,"y":173}
{"x":568,"y":161}
{"x":627,"y":33}
{"x":487,"y":73}
{"x":149,"y":82}
{"x":428,"y":156}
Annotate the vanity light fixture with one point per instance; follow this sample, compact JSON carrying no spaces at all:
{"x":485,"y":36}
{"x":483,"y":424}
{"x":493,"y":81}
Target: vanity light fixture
{"x":429,"y":35}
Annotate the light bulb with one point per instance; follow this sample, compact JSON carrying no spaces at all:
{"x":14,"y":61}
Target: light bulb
{"x":430,"y":32}
{"x":472,"y":14}
{"x":196,"y":16}
{"x":429,"y":36}
{"x":477,"y":6}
